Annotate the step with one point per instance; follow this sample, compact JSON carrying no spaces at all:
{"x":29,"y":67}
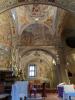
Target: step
{"x":33,"y":98}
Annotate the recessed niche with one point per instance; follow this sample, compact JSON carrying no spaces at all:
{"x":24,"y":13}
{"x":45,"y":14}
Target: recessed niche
{"x":70,"y":41}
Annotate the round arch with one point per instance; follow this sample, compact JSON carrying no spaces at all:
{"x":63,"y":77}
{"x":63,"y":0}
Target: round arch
{"x":66,"y":5}
{"x":40,"y":49}
{"x":24,"y":27}
{"x":45,"y":57}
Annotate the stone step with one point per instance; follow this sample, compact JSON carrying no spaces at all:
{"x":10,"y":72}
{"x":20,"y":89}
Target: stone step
{"x":37,"y":98}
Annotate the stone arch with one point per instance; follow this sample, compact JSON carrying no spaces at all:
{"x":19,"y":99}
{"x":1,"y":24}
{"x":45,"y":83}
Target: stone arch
{"x":67,"y":5}
{"x":33,"y":56}
{"x":40,"y":49}
{"x":23,"y":27}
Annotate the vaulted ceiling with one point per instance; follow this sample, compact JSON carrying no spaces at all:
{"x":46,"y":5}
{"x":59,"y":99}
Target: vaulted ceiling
{"x":35,"y":25}
{"x":66,"y":4}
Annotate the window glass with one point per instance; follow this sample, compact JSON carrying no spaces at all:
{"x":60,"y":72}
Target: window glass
{"x":32,"y":71}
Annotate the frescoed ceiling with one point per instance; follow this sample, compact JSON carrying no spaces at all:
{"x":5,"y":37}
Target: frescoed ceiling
{"x":36,"y":14}
{"x":66,"y":4}
{"x":32,"y":18}
{"x":27,"y":25}
{"x":32,"y":25}
{"x":39,"y":12}
{"x":36,"y":34}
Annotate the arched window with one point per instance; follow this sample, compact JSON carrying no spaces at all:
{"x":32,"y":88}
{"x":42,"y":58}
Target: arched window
{"x":32,"y":71}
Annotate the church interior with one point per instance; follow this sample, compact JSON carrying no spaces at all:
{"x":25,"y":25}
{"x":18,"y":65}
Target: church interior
{"x":37,"y":49}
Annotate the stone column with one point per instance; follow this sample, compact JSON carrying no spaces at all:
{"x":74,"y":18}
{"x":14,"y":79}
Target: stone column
{"x":58,"y":70}
{"x":61,"y":55}
{"x":61,"y":65}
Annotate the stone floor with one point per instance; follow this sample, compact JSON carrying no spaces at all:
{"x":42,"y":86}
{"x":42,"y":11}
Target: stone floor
{"x":49,"y":97}
{"x":53,"y":97}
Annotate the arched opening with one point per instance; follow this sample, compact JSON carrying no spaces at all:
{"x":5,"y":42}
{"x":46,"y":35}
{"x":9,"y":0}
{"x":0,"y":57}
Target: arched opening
{"x":43,"y":68}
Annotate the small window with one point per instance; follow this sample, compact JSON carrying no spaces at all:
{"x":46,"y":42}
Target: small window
{"x":32,"y":71}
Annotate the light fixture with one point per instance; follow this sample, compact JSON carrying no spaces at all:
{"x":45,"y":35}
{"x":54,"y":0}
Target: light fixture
{"x":13,"y":16}
{"x":36,"y":19}
{"x":54,"y":62}
{"x":67,"y":63}
{"x":13,"y":12}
